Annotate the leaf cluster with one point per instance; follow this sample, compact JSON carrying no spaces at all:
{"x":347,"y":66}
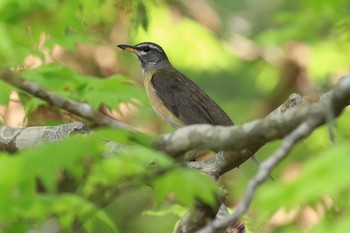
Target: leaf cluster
{"x":72,"y":183}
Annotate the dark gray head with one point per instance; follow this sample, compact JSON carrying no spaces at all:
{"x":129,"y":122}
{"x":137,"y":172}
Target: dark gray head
{"x":150,"y":54}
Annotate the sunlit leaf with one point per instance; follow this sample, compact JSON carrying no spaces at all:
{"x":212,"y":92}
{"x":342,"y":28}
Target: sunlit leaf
{"x":321,"y":177}
{"x":186,"y":185}
{"x":5,"y":91}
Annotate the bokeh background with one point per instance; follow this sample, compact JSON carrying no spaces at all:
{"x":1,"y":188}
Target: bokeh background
{"x":249,"y":55}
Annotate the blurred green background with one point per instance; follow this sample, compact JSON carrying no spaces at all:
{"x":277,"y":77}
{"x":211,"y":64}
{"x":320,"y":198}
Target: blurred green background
{"x":249,"y":55}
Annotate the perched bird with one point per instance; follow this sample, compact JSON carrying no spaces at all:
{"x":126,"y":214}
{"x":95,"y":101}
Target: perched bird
{"x":173,"y":96}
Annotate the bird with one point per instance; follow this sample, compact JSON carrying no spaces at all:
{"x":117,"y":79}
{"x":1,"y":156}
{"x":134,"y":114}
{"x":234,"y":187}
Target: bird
{"x":172,"y":95}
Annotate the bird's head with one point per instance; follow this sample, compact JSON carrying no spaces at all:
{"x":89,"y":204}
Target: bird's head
{"x":150,"y":54}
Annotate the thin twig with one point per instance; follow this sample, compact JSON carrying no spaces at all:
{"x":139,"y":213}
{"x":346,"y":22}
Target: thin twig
{"x":80,"y":109}
{"x":265,"y":169}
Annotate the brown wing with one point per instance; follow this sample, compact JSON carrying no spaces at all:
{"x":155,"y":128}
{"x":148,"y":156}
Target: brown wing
{"x":186,"y":100}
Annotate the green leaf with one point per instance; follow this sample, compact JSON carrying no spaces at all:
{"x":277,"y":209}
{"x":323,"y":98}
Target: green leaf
{"x":102,"y":217}
{"x":110,"y":91}
{"x":324,"y":175}
{"x":45,"y":163}
{"x":69,"y":83}
{"x":55,"y":77}
{"x":186,"y":185}
{"x":137,"y":164}
{"x":5,"y":91}
{"x":70,"y":208}
{"x":172,"y":209}
{"x":125,"y":137}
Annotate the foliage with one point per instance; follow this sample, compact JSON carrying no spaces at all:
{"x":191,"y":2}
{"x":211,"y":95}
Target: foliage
{"x":69,"y":83}
{"x":67,"y":47}
{"x":320,"y":186}
{"x":34,"y":179}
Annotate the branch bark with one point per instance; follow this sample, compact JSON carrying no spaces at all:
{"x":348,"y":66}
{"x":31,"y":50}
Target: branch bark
{"x":295,"y":119}
{"x":80,"y":109}
{"x":15,"y":139}
{"x":302,"y":131}
{"x":244,"y":140}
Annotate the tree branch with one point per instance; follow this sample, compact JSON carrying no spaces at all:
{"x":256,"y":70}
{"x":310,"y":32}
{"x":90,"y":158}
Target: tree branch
{"x":302,"y":131}
{"x":294,"y":119}
{"x":297,"y":118}
{"x":235,"y":137}
{"x":244,"y":140}
{"x":80,"y":109}
{"x":15,"y":139}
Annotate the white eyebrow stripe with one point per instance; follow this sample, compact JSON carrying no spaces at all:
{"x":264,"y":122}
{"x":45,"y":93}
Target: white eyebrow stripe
{"x":151,"y":46}
{"x":155,"y":47}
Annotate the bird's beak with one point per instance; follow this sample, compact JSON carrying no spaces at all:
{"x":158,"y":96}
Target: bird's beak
{"x":128,"y":48}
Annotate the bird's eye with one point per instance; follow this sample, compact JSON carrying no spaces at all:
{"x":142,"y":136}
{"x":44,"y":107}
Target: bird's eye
{"x":146,"y":49}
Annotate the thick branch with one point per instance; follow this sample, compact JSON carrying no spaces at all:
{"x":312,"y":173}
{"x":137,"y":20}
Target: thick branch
{"x":240,"y":141}
{"x":80,"y":109}
{"x":235,"y":137}
{"x":245,"y":140}
{"x":302,"y":131}
{"x":15,"y":139}
{"x":253,"y":134}
{"x":198,"y":215}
